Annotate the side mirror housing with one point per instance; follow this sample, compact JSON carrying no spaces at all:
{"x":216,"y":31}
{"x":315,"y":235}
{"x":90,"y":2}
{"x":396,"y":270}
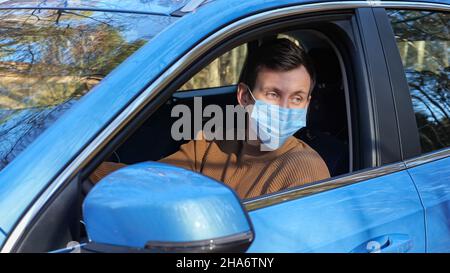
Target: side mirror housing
{"x":157,"y":207}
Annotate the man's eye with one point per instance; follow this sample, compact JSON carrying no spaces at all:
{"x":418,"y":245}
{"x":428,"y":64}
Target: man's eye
{"x":272,"y":95}
{"x":297,"y":100}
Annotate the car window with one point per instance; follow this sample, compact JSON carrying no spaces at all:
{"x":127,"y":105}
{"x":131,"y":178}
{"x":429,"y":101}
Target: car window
{"x":224,"y":70}
{"x":423,"y":42}
{"x":51,"y":58}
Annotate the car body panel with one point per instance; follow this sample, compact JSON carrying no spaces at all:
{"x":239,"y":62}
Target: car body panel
{"x":425,"y":1}
{"x":433,"y":183}
{"x":23,"y":181}
{"x":342,"y":219}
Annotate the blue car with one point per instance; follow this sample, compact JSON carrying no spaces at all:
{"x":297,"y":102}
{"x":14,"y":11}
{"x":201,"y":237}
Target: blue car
{"x":83,"y":82}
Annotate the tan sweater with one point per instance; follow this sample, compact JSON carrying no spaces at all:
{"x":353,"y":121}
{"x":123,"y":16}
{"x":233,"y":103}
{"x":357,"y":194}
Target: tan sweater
{"x":243,"y":167}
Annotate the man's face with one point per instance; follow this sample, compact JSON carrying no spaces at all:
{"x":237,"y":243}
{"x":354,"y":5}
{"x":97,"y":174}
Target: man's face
{"x":289,"y":89}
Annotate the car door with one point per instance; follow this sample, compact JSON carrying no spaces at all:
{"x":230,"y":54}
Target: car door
{"x":422,"y":63}
{"x":376,"y":209}
{"x":380,"y":214}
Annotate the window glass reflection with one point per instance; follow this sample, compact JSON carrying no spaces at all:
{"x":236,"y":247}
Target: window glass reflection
{"x":50,"y":58}
{"x":423,"y":42}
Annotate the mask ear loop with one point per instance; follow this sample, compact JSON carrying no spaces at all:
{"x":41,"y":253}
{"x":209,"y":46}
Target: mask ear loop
{"x":254,"y":99}
{"x":251,"y":93}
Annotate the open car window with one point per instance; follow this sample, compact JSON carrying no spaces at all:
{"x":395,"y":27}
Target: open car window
{"x":224,"y":70}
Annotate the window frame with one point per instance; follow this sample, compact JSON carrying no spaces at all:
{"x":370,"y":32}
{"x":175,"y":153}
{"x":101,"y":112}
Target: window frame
{"x":380,"y":137}
{"x":172,"y":89}
{"x":386,"y":158}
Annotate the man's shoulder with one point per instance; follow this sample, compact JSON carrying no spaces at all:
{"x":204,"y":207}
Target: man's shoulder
{"x":299,"y":145}
{"x":301,"y":151}
{"x":305,"y":157}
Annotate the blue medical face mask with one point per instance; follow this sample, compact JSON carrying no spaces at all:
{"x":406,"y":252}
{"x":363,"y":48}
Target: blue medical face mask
{"x":274,"y":124}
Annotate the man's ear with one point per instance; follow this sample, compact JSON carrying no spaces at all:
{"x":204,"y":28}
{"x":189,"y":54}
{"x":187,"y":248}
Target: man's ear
{"x":308,"y":101}
{"x":243,"y":97}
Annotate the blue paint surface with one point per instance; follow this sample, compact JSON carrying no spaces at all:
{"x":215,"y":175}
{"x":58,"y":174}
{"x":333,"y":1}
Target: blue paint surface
{"x":343,"y":219}
{"x":433,"y":183}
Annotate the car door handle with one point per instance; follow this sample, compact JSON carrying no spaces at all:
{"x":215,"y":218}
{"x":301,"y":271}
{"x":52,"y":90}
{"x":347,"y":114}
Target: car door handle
{"x":392,"y":243}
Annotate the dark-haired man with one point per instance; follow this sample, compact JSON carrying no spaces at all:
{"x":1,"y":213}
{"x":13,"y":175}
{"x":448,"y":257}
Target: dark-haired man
{"x":278,"y":84}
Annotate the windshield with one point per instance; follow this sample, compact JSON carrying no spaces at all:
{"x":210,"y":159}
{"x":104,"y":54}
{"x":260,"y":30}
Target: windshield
{"x":51,"y":58}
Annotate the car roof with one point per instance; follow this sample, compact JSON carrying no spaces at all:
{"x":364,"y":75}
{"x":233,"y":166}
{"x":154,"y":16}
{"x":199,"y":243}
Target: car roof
{"x":162,"y":7}
{"x":159,"y":7}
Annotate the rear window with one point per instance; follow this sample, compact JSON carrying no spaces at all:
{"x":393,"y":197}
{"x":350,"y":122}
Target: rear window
{"x":51,"y":58}
{"x":423,"y":42}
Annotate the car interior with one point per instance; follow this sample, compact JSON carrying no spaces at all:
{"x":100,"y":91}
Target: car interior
{"x":327,"y":132}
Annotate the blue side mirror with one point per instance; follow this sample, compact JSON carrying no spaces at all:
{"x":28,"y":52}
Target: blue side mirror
{"x":161,"y":208}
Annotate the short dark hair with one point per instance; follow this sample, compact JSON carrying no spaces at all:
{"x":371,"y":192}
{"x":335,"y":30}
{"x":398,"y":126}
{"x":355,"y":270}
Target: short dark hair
{"x":279,"y":55}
